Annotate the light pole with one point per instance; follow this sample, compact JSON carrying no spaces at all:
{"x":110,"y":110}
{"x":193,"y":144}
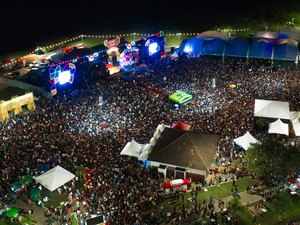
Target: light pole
{"x":291,"y":23}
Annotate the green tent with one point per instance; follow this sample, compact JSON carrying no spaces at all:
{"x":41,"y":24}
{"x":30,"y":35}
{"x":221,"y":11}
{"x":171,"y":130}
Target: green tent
{"x":180,"y":97}
{"x":25,"y":180}
{"x":35,"y":191}
{"x":16,"y":186}
{"x":35,"y":198}
{"x":12,"y":212}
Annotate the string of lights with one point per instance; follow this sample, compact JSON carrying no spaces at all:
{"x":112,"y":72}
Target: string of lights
{"x":82,"y":36}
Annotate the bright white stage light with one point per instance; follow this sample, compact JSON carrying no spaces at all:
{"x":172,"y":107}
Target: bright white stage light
{"x":153,"y":48}
{"x":64,"y":77}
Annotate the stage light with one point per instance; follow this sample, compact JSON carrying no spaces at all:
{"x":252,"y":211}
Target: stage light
{"x":64,"y":77}
{"x":153,"y":48}
{"x":188,"y":49}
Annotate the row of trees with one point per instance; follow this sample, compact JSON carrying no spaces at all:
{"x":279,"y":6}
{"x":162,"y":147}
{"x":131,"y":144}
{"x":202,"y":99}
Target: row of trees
{"x":273,"y":158}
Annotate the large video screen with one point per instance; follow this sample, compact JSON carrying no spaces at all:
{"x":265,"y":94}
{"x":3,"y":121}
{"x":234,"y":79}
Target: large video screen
{"x":152,"y":47}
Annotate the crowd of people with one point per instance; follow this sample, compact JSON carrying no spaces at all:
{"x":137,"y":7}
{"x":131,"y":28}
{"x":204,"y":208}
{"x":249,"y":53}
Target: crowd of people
{"x":89,"y":127}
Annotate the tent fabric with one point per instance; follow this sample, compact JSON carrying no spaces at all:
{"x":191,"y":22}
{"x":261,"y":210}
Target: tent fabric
{"x":246,"y":140}
{"x":213,"y":46}
{"x":160,"y":127}
{"x":192,"y":45}
{"x":237,"y":48}
{"x":147,"y":148}
{"x":132,"y":149}
{"x":145,"y":151}
{"x":285,"y":51}
{"x":267,"y":45}
{"x":180,"y":125}
{"x":278,"y":127}
{"x":295,"y":119}
{"x":214,"y":34}
{"x":54,"y":178}
{"x":271,"y":109}
{"x":287,"y":41}
{"x":266,"y":34}
{"x":261,"y":49}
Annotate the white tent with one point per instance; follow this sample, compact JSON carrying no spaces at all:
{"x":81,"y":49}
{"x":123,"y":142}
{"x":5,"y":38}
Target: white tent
{"x":145,"y":152}
{"x":55,"y":178}
{"x":246,"y":140}
{"x":132,"y":149}
{"x":295,"y":118}
{"x":157,"y":134}
{"x":160,"y":127}
{"x":271,"y":109}
{"x":278,"y":127}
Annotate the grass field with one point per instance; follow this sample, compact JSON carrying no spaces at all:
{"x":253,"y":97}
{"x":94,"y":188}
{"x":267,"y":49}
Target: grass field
{"x":284,"y":208}
{"x":223,"y":190}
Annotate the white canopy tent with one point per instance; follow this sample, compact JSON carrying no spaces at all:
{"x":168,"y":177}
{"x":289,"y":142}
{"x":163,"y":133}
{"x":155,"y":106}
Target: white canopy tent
{"x":132,"y":149}
{"x":295,"y":118}
{"x":271,"y":109}
{"x":161,"y":127}
{"x":54,"y":178}
{"x":278,"y":127}
{"x":145,"y":152}
{"x":246,"y":140}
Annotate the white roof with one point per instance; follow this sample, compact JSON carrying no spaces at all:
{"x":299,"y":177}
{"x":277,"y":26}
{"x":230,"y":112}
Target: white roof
{"x":55,"y":178}
{"x":246,"y":140}
{"x":295,"y":118}
{"x":132,"y":149}
{"x":272,"y":109}
{"x":278,"y":127}
{"x":145,"y":152}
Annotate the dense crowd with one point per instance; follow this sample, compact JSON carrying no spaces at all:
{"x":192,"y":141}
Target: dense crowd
{"x":90,"y":127}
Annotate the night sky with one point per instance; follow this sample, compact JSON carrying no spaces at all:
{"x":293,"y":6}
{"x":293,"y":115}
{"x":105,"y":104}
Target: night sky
{"x":27,"y":24}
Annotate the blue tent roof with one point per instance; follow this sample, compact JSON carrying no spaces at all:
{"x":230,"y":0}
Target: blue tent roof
{"x":285,"y":52}
{"x":237,"y":48}
{"x":191,"y":45}
{"x":261,"y":49}
{"x":213,"y":46}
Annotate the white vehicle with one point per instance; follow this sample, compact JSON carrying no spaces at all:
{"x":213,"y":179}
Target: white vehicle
{"x":42,"y":65}
{"x":34,"y":64}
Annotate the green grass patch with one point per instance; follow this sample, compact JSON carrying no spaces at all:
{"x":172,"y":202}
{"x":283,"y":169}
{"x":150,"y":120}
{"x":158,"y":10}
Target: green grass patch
{"x":90,"y":42}
{"x":220,"y":191}
{"x":5,"y":222}
{"x":284,"y":207}
{"x":245,"y":217}
{"x":174,"y":41}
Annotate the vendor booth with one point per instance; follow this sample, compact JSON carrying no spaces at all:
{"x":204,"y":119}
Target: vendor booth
{"x":181,"y":184}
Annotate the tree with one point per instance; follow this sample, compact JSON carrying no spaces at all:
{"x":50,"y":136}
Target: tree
{"x":233,"y":204}
{"x":273,"y":158}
